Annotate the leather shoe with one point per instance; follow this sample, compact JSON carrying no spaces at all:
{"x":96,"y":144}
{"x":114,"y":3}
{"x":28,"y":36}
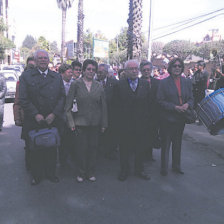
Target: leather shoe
{"x":122,"y":176}
{"x":163,"y":173}
{"x":143,"y":176}
{"x":53,"y":179}
{"x":179,"y":171}
{"x":35,"y":181}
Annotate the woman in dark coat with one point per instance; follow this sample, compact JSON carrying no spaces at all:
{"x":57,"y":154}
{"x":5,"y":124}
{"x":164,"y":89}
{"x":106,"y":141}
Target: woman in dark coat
{"x":174,"y":97}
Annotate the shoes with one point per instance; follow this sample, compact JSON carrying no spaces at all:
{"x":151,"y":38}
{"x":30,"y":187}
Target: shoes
{"x":122,"y":176}
{"x":93,"y":179}
{"x":53,"y":179}
{"x":163,"y":173}
{"x":179,"y":171}
{"x":79,"y":179}
{"x":143,"y":175}
{"x":35,"y":181}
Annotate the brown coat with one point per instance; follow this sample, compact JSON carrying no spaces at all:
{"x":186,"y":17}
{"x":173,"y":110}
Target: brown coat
{"x":17,"y":109}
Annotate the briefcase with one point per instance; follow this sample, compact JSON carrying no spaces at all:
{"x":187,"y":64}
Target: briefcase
{"x":44,"y":138}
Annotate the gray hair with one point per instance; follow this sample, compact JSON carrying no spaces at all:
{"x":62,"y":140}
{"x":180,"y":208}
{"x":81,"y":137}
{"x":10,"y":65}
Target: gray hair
{"x":38,"y":51}
{"x":129,"y":61}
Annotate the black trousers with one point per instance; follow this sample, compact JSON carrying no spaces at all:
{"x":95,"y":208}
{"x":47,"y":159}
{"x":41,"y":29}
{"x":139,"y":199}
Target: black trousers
{"x":67,"y":146}
{"x":171,"y":133}
{"x":133,"y":142}
{"x":108,"y":141}
{"x":43,"y":162}
{"x":86,"y":149}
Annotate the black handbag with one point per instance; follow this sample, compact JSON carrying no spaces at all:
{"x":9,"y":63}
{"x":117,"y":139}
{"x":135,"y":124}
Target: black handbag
{"x":44,"y":138}
{"x":190,"y":116}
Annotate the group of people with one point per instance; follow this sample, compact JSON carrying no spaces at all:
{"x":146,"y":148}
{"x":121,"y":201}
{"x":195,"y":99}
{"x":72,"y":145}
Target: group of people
{"x":93,"y":110}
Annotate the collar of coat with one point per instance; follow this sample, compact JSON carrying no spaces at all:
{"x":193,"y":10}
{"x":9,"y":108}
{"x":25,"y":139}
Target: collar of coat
{"x":35,"y":71}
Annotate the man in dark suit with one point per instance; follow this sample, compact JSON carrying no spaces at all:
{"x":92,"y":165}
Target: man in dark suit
{"x":199,"y":81}
{"x":67,"y":136}
{"x":133,"y":119}
{"x":42,"y":97}
{"x":108,"y":139}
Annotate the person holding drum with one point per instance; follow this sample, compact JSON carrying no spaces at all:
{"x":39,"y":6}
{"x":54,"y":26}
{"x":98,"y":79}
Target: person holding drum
{"x":175,"y":98}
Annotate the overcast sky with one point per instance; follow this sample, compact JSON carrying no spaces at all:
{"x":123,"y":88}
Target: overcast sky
{"x":43,"y":17}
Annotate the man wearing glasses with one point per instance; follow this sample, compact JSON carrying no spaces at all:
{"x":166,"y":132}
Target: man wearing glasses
{"x":133,"y":117}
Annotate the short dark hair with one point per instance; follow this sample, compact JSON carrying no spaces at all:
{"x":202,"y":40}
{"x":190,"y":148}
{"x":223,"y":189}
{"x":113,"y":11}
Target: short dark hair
{"x":201,"y":63}
{"x":76,"y":63}
{"x":30,"y":58}
{"x":89,"y":62}
{"x":64,"y":67}
{"x":106,"y":67}
{"x":144,"y":63}
{"x":172,"y":62}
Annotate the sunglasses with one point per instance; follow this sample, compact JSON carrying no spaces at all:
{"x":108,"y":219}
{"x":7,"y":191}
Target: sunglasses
{"x":177,"y":66}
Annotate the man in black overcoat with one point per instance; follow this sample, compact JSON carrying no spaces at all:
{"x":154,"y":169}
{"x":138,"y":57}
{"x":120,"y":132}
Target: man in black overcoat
{"x":133,"y":119}
{"x":42,"y":97}
{"x":108,"y":140}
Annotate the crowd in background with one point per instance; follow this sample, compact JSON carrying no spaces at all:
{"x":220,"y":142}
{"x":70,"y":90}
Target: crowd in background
{"x":97,"y":109}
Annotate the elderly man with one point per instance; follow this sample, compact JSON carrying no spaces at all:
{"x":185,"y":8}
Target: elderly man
{"x":133,"y":103}
{"x":108,"y":138}
{"x":42,"y":97}
{"x":3,"y":90}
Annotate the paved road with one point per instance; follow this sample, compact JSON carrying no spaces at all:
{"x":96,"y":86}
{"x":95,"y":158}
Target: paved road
{"x":194,"y":198}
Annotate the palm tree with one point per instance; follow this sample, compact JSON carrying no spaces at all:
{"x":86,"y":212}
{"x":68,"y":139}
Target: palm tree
{"x":80,"y":31}
{"x":134,"y":29}
{"x":64,"y":5}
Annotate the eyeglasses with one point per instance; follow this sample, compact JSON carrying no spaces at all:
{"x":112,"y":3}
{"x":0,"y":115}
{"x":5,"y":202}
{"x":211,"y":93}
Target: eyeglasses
{"x":40,"y":58}
{"x":77,"y":69}
{"x":146,"y":70}
{"x":132,"y":69}
{"x":177,"y":66}
{"x":91,"y":69}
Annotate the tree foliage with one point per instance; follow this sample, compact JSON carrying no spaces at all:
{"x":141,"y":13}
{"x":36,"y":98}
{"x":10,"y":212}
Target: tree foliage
{"x":29,"y":42}
{"x":5,"y":43}
{"x":206,"y":50}
{"x":180,"y":48}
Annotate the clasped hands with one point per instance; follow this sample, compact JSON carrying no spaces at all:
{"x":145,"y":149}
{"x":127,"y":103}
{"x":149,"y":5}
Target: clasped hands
{"x":49,"y":119}
{"x":182,"y":108}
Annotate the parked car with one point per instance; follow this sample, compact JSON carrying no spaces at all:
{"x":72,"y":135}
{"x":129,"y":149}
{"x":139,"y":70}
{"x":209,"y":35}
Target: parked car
{"x":17,"y":68}
{"x":11,"y":80}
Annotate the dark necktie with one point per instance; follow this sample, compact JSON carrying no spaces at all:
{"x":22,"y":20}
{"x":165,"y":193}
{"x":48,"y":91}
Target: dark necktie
{"x":44,"y":75}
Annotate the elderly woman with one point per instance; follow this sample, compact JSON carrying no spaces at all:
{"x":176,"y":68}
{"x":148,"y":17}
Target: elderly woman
{"x":86,"y":118}
{"x":174,"y":97}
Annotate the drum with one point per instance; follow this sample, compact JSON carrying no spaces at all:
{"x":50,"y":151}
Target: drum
{"x":211,"y":112}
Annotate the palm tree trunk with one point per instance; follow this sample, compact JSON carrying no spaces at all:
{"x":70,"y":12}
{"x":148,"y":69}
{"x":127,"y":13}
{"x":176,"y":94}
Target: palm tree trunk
{"x":80,"y":31}
{"x":134,"y":29}
{"x":63,"y":34}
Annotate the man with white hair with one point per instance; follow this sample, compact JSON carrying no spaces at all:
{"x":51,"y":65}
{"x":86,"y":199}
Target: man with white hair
{"x":42,"y":97}
{"x":133,"y":103}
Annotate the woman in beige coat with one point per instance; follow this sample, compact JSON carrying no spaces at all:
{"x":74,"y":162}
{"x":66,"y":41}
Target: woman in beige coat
{"x":86,"y":115}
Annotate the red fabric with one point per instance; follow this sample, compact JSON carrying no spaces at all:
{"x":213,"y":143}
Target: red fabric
{"x":177,"y":83}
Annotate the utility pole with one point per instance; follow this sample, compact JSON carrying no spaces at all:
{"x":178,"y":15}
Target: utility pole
{"x":150,"y":32}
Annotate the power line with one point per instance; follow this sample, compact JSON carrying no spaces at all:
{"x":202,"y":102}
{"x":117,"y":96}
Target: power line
{"x":187,"y":27}
{"x":189,"y":20}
